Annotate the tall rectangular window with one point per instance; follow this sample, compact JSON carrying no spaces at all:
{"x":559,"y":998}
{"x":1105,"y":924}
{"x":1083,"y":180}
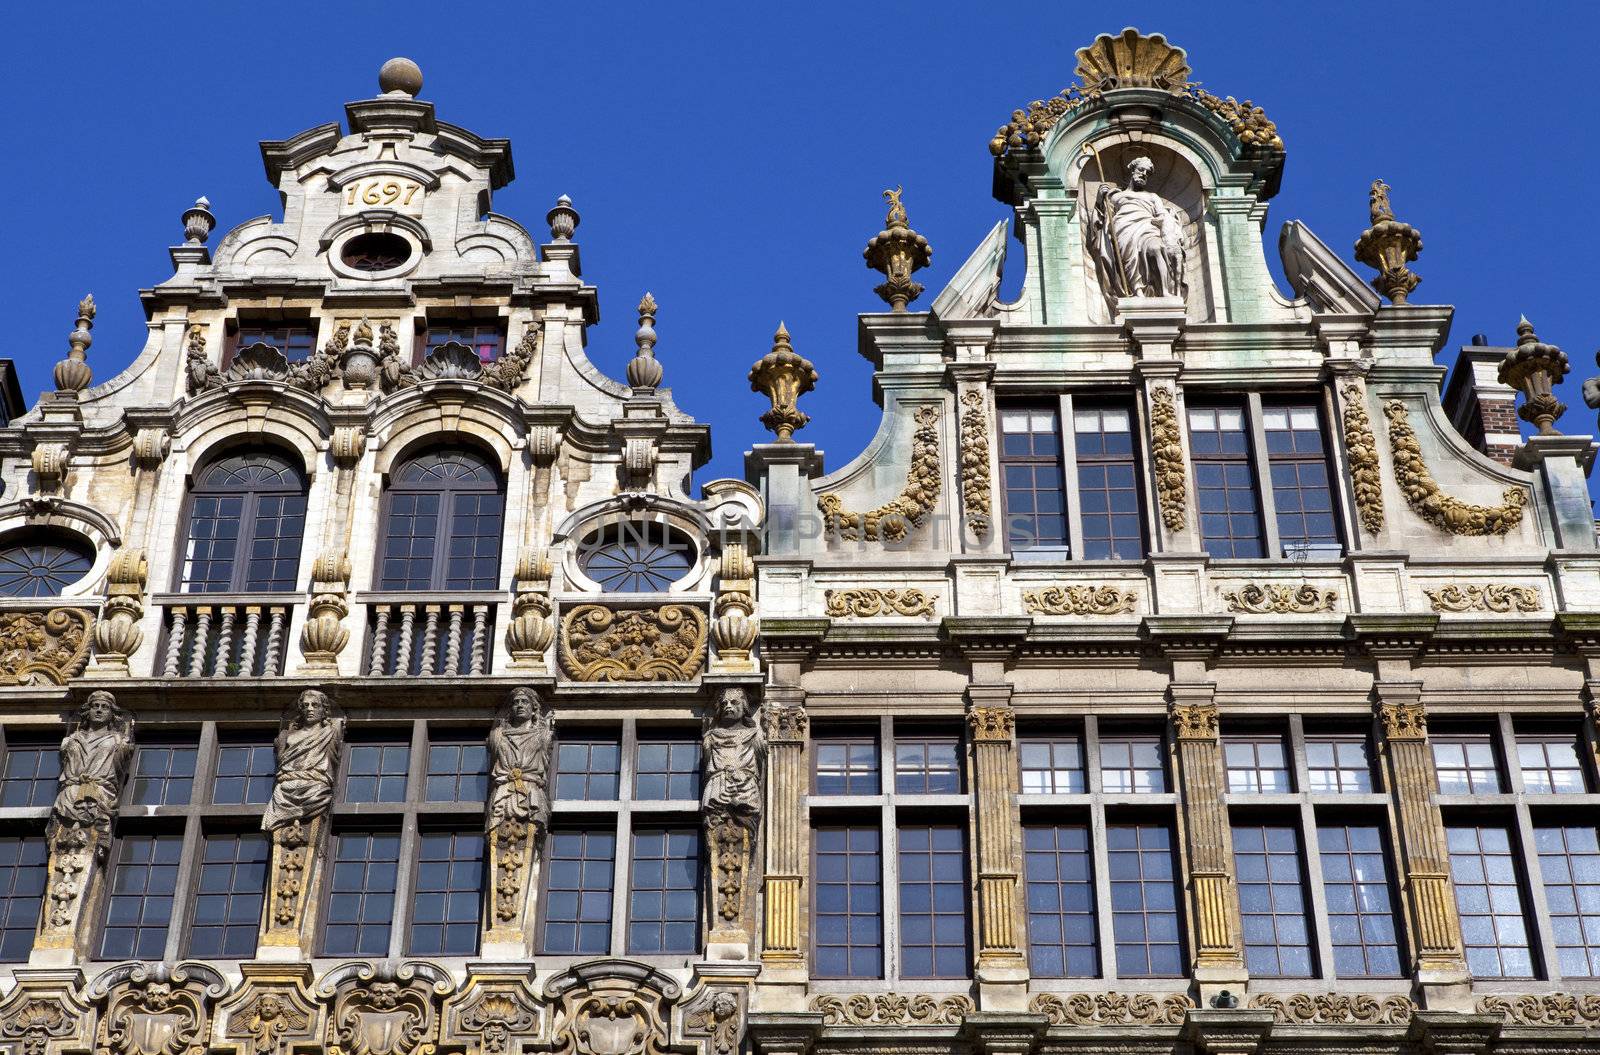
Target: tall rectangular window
{"x":847,"y":910}
{"x":1144,"y":900}
{"x":1108,"y":484}
{"x":1338,"y":763}
{"x":1030,"y":464}
{"x":1061,"y":911}
{"x":927,"y":765}
{"x":244,"y":774}
{"x":22,"y":881}
{"x":144,"y":881}
{"x":1052,"y":765}
{"x":668,"y":767}
{"x":588,"y":766}
{"x":449,"y":894}
{"x":1256,"y":764}
{"x":1466,"y":764}
{"x":845,"y":765}
{"x":1483,"y":868}
{"x":361,"y":906}
{"x":577,"y":911}
{"x":933,"y":901}
{"x":1355,"y":885}
{"x":1551,"y":764}
{"x":458,"y":770}
{"x":233,"y":886}
{"x":1132,"y":764}
{"x":1299,"y":466}
{"x":376,"y":771}
{"x":1272,"y":902}
{"x":1225,"y":482}
{"x":163,"y":774}
{"x":31,"y":771}
{"x":664,"y":891}
{"x":1569,"y":861}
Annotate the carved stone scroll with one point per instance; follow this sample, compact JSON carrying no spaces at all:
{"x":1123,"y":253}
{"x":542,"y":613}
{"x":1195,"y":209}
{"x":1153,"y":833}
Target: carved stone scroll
{"x":154,"y":1009}
{"x":611,"y":1007}
{"x":1428,"y":500}
{"x":384,"y":1008}
{"x":1325,"y":1009}
{"x":975,"y":485}
{"x":893,"y":520}
{"x":494,"y":1013}
{"x":1279,"y":599}
{"x":1550,"y":1009}
{"x":1079,"y":600}
{"x":1172,"y":486}
{"x":273,"y":1012}
{"x":1501,"y":598}
{"x":1111,"y":1009}
{"x":667,"y":643}
{"x":44,"y":647}
{"x":892,"y":1009}
{"x":866,"y":602}
{"x":1362,"y":450}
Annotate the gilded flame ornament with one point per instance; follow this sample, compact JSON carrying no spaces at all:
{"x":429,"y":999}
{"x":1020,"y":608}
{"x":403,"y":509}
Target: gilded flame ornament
{"x":897,"y":251}
{"x":783,"y":376}
{"x":1387,"y":246}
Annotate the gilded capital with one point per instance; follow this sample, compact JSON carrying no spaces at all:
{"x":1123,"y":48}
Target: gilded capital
{"x":1404,"y":721}
{"x":991,"y":723}
{"x":1195,"y":721}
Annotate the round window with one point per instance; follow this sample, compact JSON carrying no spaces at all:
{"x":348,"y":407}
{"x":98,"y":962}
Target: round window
{"x":636,"y":556}
{"x":42,"y":566}
{"x":376,"y":251}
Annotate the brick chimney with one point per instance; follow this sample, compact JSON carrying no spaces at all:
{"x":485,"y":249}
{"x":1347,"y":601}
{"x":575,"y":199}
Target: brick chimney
{"x":1481,"y":408}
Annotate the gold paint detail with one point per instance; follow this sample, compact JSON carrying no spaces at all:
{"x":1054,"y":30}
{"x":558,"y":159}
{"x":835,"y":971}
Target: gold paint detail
{"x":44,"y":648}
{"x":1501,"y":598}
{"x":991,"y":723}
{"x":1111,"y":1009}
{"x":1387,"y":246}
{"x":1362,"y":449}
{"x":1404,"y":721}
{"x":666,"y":643}
{"x":897,"y":251}
{"x":1280,"y":599}
{"x":1549,"y":1009}
{"x":892,"y":1009}
{"x":892,"y":520}
{"x":1535,"y":368}
{"x":1172,"y":486}
{"x":1079,"y":600}
{"x":783,"y":376}
{"x":866,"y":602}
{"x":1429,"y":501}
{"x":1322,"y":1009}
{"x":975,"y":485}
{"x":1195,"y":721}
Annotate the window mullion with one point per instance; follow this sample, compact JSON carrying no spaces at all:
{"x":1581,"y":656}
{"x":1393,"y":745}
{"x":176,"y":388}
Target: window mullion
{"x":1069,"y":478}
{"x":1321,"y":934}
{"x":621,"y":876}
{"x":1261,"y":470}
{"x":1105,"y":938}
{"x":1538,"y":908}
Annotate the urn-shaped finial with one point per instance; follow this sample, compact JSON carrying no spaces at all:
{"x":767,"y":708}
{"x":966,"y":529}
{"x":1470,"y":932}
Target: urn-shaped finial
{"x":1387,"y":246}
{"x":198,"y":222}
{"x":897,"y":251}
{"x":644,"y":372}
{"x":73,"y":373}
{"x":563,"y":220}
{"x":783,"y":377}
{"x":1536,"y":368}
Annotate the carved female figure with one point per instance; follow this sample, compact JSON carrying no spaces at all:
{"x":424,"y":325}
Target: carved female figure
{"x":94,"y":764}
{"x":307,"y":758}
{"x":519,"y":771}
{"x":735,"y":752}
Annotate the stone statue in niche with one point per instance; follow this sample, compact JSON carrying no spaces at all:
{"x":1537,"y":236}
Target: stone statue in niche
{"x":307,"y":759}
{"x":519,"y":759}
{"x":94,"y":764}
{"x":1137,"y":238}
{"x":735,"y":752}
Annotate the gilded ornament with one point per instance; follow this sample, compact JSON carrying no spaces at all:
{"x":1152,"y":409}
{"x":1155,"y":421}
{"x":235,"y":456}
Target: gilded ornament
{"x":44,"y":648}
{"x":910,"y":509}
{"x":783,"y":376}
{"x":666,"y":643}
{"x":975,"y":463}
{"x":1403,"y":721}
{"x":1132,"y":60}
{"x":897,"y":251}
{"x":1534,"y":368}
{"x":1429,"y":501}
{"x":1362,"y":450}
{"x":1279,"y":599}
{"x":1490,"y":597}
{"x":1322,"y":1009}
{"x":1387,"y":246}
{"x":73,"y":374}
{"x":1172,"y":487}
{"x":991,"y":723}
{"x":1111,"y":1009}
{"x":1552,"y":1009}
{"x":1079,"y":600}
{"x":892,"y":1009}
{"x":1195,"y":721}
{"x":866,"y":602}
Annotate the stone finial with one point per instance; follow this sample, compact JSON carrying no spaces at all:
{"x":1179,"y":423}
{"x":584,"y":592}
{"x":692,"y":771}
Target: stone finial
{"x":73,"y":373}
{"x":1535,"y":368}
{"x":897,"y":251}
{"x":563,"y":220}
{"x":783,"y":377}
{"x":198,"y":222}
{"x":1387,"y":246}
{"x":400,"y":76}
{"x":644,"y":372}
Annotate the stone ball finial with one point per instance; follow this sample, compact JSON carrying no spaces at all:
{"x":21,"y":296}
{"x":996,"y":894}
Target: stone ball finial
{"x":401,"y":75}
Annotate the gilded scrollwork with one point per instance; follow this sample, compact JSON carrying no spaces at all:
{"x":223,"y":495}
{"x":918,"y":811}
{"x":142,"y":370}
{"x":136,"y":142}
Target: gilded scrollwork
{"x":1172,"y":487}
{"x":44,"y":648}
{"x":1552,"y":1009}
{"x":1501,"y":598}
{"x":991,"y":723}
{"x":1195,"y":721}
{"x":666,"y":643}
{"x":1428,"y":500}
{"x":1280,"y":599}
{"x":1335,"y":1008}
{"x":1362,"y":450}
{"x":975,"y":463}
{"x":865,"y":602}
{"x":1111,"y":1009}
{"x":910,"y":509}
{"x":892,"y":1009}
{"x":1080,"y":600}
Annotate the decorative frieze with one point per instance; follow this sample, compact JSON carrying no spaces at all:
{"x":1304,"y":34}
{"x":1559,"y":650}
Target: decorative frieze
{"x":1428,"y":500}
{"x":1111,"y":1009}
{"x":1549,"y":1009}
{"x":867,"y":602}
{"x":1501,"y":598}
{"x":892,"y":1009}
{"x":44,"y":647}
{"x":1328,"y":1009}
{"x":893,"y":520}
{"x":975,"y":486}
{"x":1166,"y":449}
{"x":1080,"y":600}
{"x":1362,"y":449}
{"x":1280,"y":599}
{"x":666,"y":643}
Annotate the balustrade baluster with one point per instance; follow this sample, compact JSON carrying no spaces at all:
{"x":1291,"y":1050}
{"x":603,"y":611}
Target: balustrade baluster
{"x":225,"y":645}
{"x":452,"y":652}
{"x":408,"y":625}
{"x":175,"y":636}
{"x":480,"y":637}
{"x":201,"y":645}
{"x":430,"y":640}
{"x":380,"y":641}
{"x":247,"y":649}
{"x":272,"y":663}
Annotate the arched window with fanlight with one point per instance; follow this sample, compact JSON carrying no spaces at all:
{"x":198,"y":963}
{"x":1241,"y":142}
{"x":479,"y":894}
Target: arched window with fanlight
{"x":37,"y":564}
{"x":443,"y":521}
{"x":247,"y":517}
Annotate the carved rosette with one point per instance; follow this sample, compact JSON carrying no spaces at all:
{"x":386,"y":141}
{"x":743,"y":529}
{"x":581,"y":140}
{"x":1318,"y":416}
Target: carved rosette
{"x":1429,"y":501}
{"x":1279,"y":599}
{"x":1501,"y":598}
{"x":666,"y":643}
{"x":733,"y":632}
{"x":1362,"y":449}
{"x":1111,"y":1009}
{"x":975,"y":486}
{"x":44,"y":648}
{"x":324,"y":635}
{"x":892,"y":1009}
{"x":492,"y":1014}
{"x":867,"y":602}
{"x":154,"y":1009}
{"x":1550,"y":1009}
{"x":1326,"y":1009}
{"x":384,"y":1008}
{"x":893,"y":520}
{"x":531,"y":631}
{"x":1172,"y":486}
{"x":1079,"y":600}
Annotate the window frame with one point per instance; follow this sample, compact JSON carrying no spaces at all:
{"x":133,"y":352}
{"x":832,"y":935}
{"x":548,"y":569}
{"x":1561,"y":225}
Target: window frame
{"x":234,"y":342}
{"x":249,"y":519}
{"x":1060,"y":409}
{"x":1071,"y":403}
{"x":427,"y":324}
{"x":439,"y":557}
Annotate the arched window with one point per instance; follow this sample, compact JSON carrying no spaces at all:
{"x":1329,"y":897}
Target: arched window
{"x":442,"y":526}
{"x":39,"y":565}
{"x":636,"y":556}
{"x":247,"y":515}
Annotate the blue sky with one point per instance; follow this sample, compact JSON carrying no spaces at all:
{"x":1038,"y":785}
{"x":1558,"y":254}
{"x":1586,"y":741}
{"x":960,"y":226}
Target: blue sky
{"x":730,"y":157}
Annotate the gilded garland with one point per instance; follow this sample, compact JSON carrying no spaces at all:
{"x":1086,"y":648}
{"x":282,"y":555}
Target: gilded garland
{"x":43,"y":648}
{"x":892,"y":520}
{"x":1362,"y":450}
{"x":1171,"y":486}
{"x":866,"y":602}
{"x":1429,"y":501}
{"x":1079,"y":600}
{"x":975,"y":463}
{"x":667,"y":643}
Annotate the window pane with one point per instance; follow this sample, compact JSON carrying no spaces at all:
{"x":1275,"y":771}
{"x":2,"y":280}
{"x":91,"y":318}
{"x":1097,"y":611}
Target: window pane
{"x":927,"y":765}
{"x":458,"y":770}
{"x":1225,"y":486}
{"x":1550,"y":765}
{"x":1144,"y":900}
{"x":1466,"y":764}
{"x":1299,"y":470}
{"x":847,"y":910}
{"x":1569,"y":861}
{"x":1489,"y":901}
{"x":1052,"y":765}
{"x":443,"y":524}
{"x":1277,"y":935}
{"x":482,"y":337}
{"x":375,"y":771}
{"x":846,"y":765}
{"x":577,"y":909}
{"x":1256,"y":764}
{"x":449,"y":894}
{"x":31,"y":770}
{"x":163,"y":774}
{"x":244,"y":774}
{"x":1338,"y":763}
{"x":228,"y":902}
{"x":588,"y":766}
{"x":246,"y":523}
{"x":664,"y":891}
{"x":22,"y":882}
{"x":1062,"y":939}
{"x":1108,"y":488}
{"x":1360,"y":901}
{"x":1132,"y":764}
{"x":361,"y":905}
{"x":667,"y":767}
{"x":144,"y":880}
{"x":1031,"y":468}
{"x":933,"y":902}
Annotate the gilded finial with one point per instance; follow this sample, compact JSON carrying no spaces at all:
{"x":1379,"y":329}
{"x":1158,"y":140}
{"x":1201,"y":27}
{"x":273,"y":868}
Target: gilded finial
{"x":1387,"y":246}
{"x":897,"y":251}
{"x":644,"y":371}
{"x":783,"y":377}
{"x":1535,"y":368}
{"x":73,"y":374}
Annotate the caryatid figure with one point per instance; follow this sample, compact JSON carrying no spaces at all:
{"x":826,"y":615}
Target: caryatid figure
{"x":735,"y":751}
{"x":307,"y":759}
{"x":1138,"y":238}
{"x":519,"y":764}
{"x":94,"y":765}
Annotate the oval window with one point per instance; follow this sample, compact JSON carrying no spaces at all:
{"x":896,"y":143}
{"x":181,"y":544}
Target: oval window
{"x":636,"y":556}
{"x":42,"y":565}
{"x":375,"y":251}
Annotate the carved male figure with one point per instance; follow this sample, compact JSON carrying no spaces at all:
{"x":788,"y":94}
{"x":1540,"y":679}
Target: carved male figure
{"x":307,"y":758}
{"x":1138,"y":239}
{"x":94,"y":764}
{"x":519,"y":769}
{"x":735,"y":752}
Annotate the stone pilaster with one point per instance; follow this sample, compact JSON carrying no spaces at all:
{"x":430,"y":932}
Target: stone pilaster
{"x":288,"y":925}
